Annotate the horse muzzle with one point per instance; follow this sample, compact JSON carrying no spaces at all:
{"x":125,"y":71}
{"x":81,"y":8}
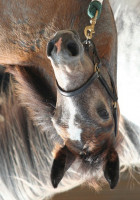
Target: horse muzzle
{"x":65,"y":45}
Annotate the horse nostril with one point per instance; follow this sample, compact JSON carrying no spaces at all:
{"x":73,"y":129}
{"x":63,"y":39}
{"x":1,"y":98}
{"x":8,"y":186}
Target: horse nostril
{"x":50,"y":47}
{"x":73,"y":48}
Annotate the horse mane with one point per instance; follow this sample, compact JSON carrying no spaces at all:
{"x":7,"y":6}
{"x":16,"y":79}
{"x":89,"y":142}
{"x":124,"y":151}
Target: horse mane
{"x":23,"y":145}
{"x":129,"y":148}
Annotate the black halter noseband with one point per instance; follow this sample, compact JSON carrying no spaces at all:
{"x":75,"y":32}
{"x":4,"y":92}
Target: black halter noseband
{"x":96,"y":75}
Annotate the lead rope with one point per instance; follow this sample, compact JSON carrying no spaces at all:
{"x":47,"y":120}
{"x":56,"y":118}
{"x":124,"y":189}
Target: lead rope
{"x":94,"y":12}
{"x":93,"y":7}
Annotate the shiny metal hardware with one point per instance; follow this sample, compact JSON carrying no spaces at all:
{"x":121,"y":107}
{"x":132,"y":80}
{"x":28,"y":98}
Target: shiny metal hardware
{"x":89,"y":30}
{"x":115,"y":104}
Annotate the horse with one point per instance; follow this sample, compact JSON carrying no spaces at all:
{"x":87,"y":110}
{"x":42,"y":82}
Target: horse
{"x":53,"y":136}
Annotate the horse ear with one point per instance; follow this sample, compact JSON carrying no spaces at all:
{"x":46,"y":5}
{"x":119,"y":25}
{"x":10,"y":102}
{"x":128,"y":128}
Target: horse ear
{"x":111,"y":170}
{"x":63,"y":160}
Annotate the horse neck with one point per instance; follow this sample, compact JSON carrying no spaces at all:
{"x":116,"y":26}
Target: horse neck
{"x":129,"y":146}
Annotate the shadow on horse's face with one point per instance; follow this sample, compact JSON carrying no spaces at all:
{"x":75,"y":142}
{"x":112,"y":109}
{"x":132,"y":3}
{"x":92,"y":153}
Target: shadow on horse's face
{"x":84,"y":121}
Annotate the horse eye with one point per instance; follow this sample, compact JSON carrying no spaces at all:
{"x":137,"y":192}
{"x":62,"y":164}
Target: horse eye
{"x":102,"y":112}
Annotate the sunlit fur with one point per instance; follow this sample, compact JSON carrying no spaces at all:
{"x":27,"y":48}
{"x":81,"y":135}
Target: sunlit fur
{"x":26,"y":154}
{"x":26,"y":164}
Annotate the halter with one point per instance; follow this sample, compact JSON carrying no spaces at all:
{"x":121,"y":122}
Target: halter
{"x":96,"y":75}
{"x":89,"y":30}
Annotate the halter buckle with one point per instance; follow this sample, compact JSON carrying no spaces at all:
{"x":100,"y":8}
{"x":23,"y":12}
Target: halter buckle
{"x":115,"y":104}
{"x":97,"y":69}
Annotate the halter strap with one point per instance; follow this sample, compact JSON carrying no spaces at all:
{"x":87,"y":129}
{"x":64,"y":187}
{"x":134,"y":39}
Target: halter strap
{"x":96,"y":75}
{"x":80,"y":89}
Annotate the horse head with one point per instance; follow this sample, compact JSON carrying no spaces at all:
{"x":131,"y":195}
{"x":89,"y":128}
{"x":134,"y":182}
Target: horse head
{"x":84,"y":116}
{"x":60,"y":117}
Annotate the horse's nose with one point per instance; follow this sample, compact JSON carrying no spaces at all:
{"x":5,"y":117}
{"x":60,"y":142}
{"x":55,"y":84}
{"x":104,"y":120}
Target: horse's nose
{"x":64,"y":43}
